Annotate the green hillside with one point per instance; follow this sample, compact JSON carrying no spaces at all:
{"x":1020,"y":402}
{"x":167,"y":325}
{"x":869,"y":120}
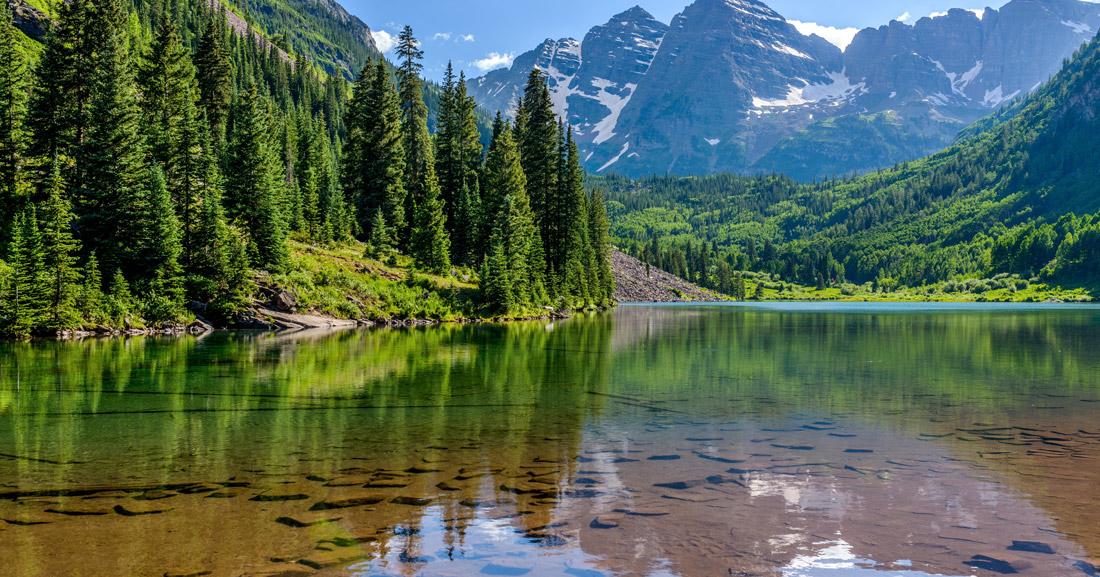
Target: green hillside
{"x":1018,"y":195}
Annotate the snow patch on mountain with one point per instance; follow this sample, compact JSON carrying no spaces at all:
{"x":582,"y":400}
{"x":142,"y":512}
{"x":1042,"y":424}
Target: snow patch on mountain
{"x":996,"y":96}
{"x":617,"y":157}
{"x":788,"y":50}
{"x":605,"y":128}
{"x":1078,"y":27}
{"x":840,"y":87}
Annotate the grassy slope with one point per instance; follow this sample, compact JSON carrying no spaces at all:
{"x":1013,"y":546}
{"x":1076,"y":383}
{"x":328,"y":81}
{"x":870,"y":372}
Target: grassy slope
{"x":338,"y":281}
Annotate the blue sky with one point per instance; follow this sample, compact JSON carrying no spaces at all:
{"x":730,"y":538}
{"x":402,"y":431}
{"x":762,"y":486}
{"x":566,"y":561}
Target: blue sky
{"x":479,"y":34}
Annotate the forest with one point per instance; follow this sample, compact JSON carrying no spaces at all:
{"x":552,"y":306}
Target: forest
{"x":155,"y":162}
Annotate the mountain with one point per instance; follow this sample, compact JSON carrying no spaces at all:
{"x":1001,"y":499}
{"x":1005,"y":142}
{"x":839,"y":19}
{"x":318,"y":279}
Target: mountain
{"x":320,"y":29}
{"x":732,"y":86}
{"x":1015,"y":200}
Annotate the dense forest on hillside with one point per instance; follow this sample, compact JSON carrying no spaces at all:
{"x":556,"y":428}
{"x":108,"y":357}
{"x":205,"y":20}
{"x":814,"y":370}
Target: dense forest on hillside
{"x":1013,"y":202}
{"x":151,"y":158}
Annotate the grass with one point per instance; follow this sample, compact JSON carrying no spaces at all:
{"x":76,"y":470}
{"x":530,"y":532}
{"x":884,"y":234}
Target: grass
{"x":1004,"y":289}
{"x":338,"y":281}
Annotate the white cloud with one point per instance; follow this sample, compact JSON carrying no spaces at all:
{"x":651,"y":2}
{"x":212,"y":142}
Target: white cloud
{"x":979,"y":12}
{"x":841,"y":37}
{"x":905,"y":17}
{"x":494,"y":60}
{"x":468,"y":38}
{"x":384,"y":40}
{"x":444,"y":36}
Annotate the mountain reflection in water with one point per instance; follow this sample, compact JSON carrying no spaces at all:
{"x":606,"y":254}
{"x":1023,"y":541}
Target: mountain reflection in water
{"x":823,"y":441}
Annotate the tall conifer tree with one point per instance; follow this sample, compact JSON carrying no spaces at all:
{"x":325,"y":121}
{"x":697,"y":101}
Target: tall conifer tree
{"x":374,"y":157}
{"x":61,"y":276}
{"x":513,"y":236}
{"x":600,"y":241}
{"x":428,"y":241}
{"x":112,"y":157}
{"x":254,"y":182}
{"x":538,"y":136}
{"x":12,"y":134}
{"x":214,"y":75}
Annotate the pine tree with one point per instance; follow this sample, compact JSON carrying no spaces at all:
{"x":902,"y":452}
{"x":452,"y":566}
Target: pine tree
{"x":428,"y":240}
{"x":60,"y":112}
{"x":513,"y":232}
{"x":448,"y":158}
{"x":12,"y":134}
{"x":458,"y":162}
{"x":168,"y":91}
{"x":600,"y":241}
{"x":574,"y":256}
{"x":113,"y":165}
{"x":59,"y":260}
{"x":214,"y":75}
{"x":374,"y":158}
{"x":496,"y":287}
{"x":91,"y":302}
{"x":538,"y":135}
{"x":253,"y":183}
{"x":379,"y":245}
{"x":27,"y":299}
{"x":120,"y":303}
{"x":159,"y":248}
{"x":468,"y":218}
{"x":310,"y":177}
{"x":193,"y":170}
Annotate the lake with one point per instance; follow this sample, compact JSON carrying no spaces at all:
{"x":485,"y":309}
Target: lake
{"x":794,"y":440}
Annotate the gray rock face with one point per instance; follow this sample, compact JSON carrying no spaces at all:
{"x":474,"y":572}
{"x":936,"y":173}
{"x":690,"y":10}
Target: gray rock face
{"x":501,"y":89}
{"x":730,"y":85}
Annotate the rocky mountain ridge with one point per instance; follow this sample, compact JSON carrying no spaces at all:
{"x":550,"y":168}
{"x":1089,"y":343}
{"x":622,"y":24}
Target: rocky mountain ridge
{"x":731,"y":85}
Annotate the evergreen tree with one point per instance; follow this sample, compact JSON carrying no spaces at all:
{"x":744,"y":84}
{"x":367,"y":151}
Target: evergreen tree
{"x":253,"y":183}
{"x":60,"y":112}
{"x":458,"y":163}
{"x":214,"y":75}
{"x":158,"y":246}
{"x":573,"y":256}
{"x":538,"y":136}
{"x":12,"y":111}
{"x":27,"y":297}
{"x":191,"y":173}
{"x":513,"y":232}
{"x":603,"y":293}
{"x":310,"y":177}
{"x":374,"y":158}
{"x":379,"y":245}
{"x":428,"y":240}
{"x":112,"y":155}
{"x":91,"y":303}
{"x":468,"y":218}
{"x":168,"y":90}
{"x":496,"y":287}
{"x":59,"y":260}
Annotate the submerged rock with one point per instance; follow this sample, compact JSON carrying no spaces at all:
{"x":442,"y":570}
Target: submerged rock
{"x":1032,"y":547}
{"x":598,"y":524}
{"x":325,"y":559}
{"x":412,"y":501}
{"x":346,"y":503}
{"x":300,"y":523}
{"x":992,"y":564}
{"x":125,"y":512}
{"x":279,"y":498}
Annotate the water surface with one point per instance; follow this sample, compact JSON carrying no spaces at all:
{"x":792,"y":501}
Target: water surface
{"x":773,"y":440}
